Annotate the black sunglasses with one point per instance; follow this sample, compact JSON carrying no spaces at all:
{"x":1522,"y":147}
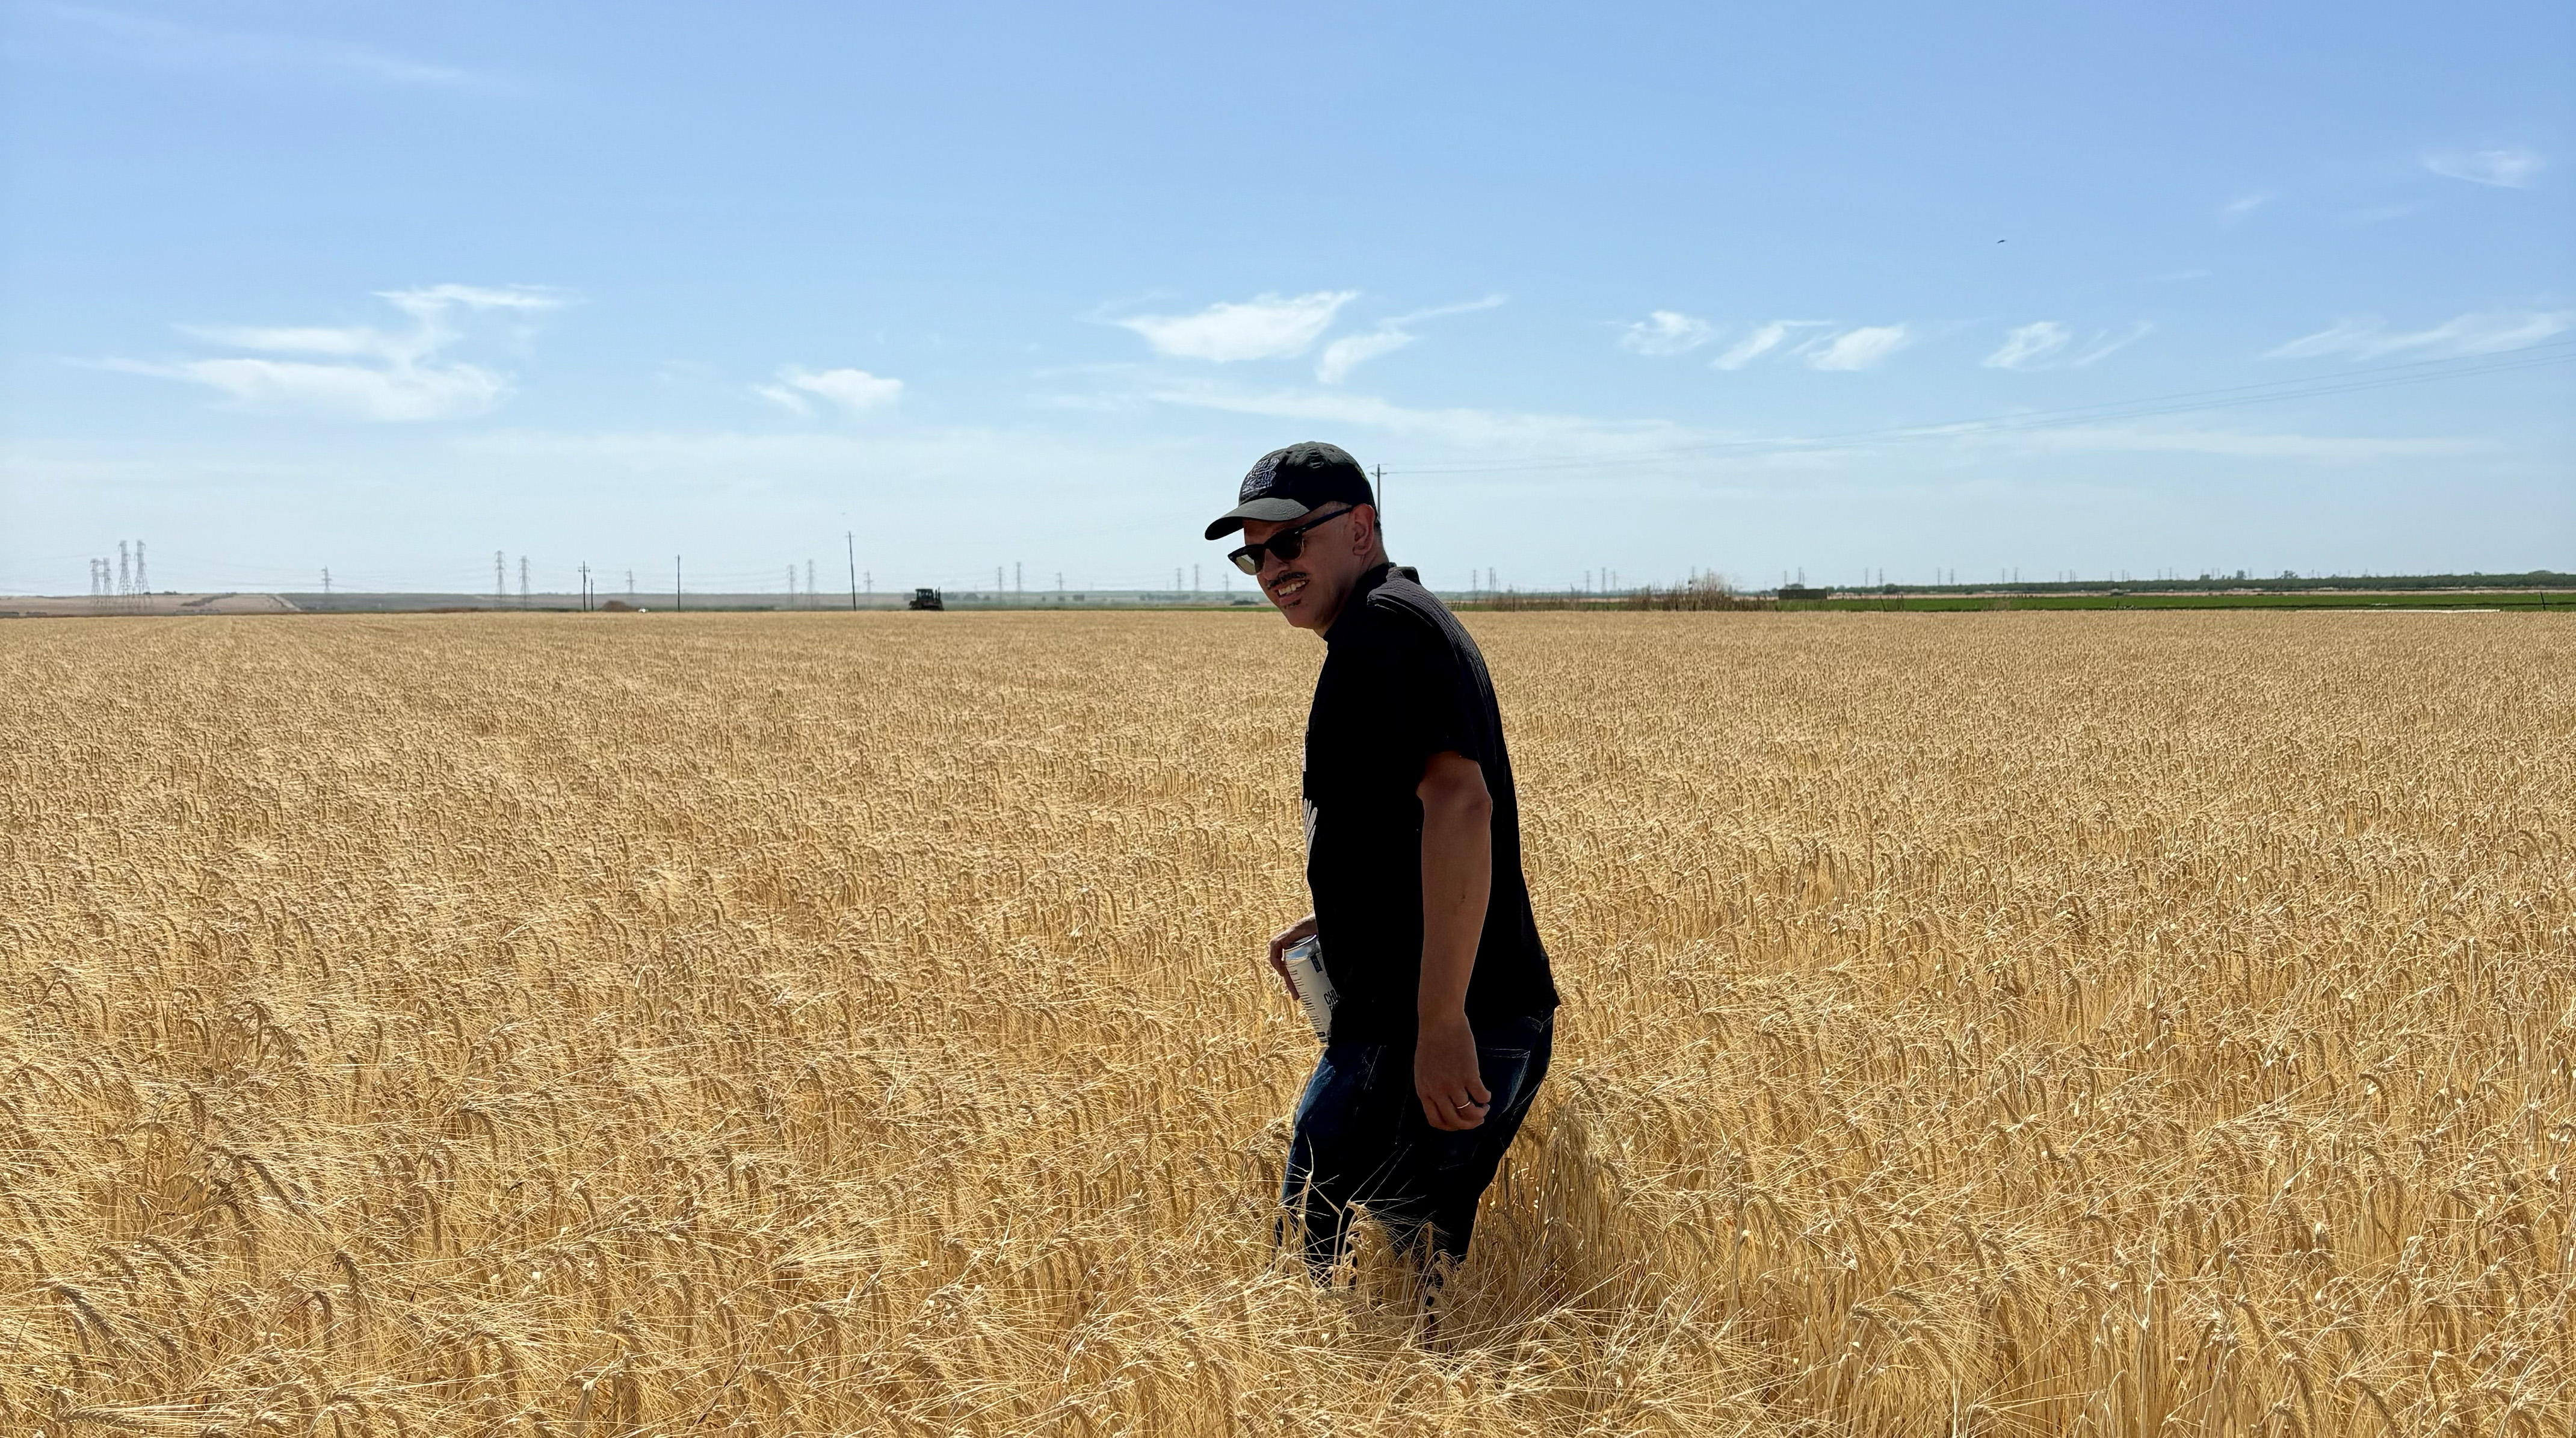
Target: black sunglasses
{"x":1287,"y":543}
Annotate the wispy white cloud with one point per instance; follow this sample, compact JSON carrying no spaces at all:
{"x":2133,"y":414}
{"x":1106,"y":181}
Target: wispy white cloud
{"x":1351,"y":351}
{"x":2029,"y":344}
{"x":390,"y":394}
{"x":1264,"y":327}
{"x":1764,"y":339}
{"x":305,"y":339}
{"x":390,"y":375}
{"x":1666,"y":332}
{"x":436,"y":298}
{"x":1467,"y":428}
{"x":2046,"y":344}
{"x":1540,"y":436}
{"x":2243,"y":205}
{"x":2106,"y":344}
{"x":1864,"y":348}
{"x":2510,"y":169}
{"x":1852,"y":349}
{"x":147,"y":40}
{"x":852,"y":391}
{"x":2132,"y":439}
{"x":2485,"y":332}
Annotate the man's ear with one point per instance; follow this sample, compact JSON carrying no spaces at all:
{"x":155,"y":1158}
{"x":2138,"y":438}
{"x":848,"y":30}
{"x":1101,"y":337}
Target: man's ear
{"x":1363,"y":528}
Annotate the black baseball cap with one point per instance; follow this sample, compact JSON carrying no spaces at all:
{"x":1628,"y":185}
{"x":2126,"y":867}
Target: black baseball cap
{"x":1286,"y":483}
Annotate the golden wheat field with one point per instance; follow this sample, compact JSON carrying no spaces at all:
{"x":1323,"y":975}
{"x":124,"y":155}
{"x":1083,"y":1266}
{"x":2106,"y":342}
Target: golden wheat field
{"x":855,"y":1024}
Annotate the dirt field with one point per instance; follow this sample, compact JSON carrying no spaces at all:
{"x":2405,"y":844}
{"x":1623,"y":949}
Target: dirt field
{"x":2018,"y":1023}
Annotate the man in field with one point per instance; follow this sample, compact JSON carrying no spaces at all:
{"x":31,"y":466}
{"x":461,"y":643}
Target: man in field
{"x":1413,"y":855}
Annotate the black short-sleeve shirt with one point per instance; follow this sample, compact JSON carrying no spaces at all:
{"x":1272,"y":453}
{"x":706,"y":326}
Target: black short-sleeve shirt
{"x":1402,"y":681}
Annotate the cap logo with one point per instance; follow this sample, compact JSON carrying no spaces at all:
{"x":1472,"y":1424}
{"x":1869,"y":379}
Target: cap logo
{"x":1257,"y":483}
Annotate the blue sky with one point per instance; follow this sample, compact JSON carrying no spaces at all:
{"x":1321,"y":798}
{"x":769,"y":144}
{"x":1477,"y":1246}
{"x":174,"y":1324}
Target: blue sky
{"x":1832,"y":289}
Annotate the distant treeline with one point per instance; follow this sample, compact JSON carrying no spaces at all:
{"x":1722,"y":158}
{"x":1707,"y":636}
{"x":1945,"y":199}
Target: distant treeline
{"x":2286,"y":582}
{"x":2533,"y":589}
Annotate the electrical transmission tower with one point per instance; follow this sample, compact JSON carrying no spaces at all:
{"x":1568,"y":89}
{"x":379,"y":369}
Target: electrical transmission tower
{"x":500,"y":578}
{"x":809,"y":584}
{"x":142,"y":585}
{"x":124,"y":571}
{"x":523,"y":581}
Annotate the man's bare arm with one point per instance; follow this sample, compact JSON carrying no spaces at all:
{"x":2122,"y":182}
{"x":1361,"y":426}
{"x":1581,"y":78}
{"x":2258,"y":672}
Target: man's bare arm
{"x":1279,"y":944}
{"x":1457,"y":883}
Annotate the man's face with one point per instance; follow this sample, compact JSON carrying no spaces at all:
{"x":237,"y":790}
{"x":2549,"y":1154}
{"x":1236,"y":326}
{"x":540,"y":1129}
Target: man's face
{"x":1310,"y":589}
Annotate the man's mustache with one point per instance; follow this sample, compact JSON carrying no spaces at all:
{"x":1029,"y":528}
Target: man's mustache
{"x":1283,"y":577}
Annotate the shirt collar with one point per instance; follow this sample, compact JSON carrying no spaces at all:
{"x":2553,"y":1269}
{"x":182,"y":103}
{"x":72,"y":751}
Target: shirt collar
{"x":1375,"y":575}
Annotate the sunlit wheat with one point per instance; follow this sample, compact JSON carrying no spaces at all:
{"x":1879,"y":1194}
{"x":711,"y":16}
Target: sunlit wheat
{"x":2036,"y":1024}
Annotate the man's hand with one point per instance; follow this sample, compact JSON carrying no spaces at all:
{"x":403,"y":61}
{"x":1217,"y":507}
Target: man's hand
{"x":1453,"y":1093}
{"x":1279,"y":944}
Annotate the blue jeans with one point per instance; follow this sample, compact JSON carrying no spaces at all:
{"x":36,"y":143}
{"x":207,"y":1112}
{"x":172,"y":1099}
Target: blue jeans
{"x":1360,"y":1138}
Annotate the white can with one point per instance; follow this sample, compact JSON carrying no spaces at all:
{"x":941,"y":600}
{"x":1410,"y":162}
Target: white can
{"x":1305,"y":960}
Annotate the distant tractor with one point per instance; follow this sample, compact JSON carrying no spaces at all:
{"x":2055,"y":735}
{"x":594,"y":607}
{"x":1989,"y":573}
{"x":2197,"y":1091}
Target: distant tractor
{"x":925,"y":599}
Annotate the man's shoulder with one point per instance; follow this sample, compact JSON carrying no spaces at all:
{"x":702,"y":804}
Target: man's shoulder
{"x":1402,"y":599}
{"x":1407,"y":613}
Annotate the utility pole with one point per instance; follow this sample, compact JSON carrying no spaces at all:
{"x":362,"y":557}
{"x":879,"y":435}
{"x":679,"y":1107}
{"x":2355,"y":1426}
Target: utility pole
{"x":791,"y":586}
{"x":850,"y":539}
{"x":585,"y":586}
{"x":809,"y":584}
{"x":630,"y":586}
{"x":523,"y":581}
{"x":675,"y":584}
{"x":326,"y":581}
{"x":1017,"y":586}
{"x":1381,"y":496}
